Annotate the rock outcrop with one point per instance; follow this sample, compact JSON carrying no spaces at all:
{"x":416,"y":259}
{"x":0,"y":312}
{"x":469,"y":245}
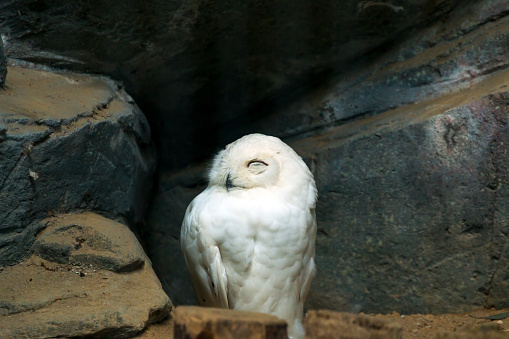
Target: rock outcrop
{"x":88,"y":276}
{"x":409,"y":155}
{"x":412,"y":218}
{"x":68,"y":142}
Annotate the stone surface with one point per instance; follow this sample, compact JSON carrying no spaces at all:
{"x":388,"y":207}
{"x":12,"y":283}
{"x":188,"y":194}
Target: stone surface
{"x":438,"y":59}
{"x":201,"y":70}
{"x":192,"y":322}
{"x":409,"y":155}
{"x":46,"y":298}
{"x":407,"y":217}
{"x":90,"y":240}
{"x":68,"y":142}
{"x":322,"y":324}
{"x":3,"y":65}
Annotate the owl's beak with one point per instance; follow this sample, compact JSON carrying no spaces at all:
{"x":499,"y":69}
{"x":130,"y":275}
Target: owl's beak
{"x":229,"y":184}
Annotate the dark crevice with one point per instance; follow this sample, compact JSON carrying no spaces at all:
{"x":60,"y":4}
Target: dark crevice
{"x":20,"y":158}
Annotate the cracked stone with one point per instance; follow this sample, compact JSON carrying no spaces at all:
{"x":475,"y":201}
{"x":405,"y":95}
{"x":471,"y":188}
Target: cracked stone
{"x":83,"y":139}
{"x":191,"y":56}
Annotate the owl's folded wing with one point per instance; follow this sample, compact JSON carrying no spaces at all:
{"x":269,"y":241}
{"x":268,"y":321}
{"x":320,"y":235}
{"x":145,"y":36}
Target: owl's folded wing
{"x":203,"y":258}
{"x":217,"y":276}
{"x":308,"y":268}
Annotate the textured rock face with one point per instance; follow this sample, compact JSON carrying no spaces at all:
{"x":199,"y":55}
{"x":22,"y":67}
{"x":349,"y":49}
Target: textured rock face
{"x":84,"y":295}
{"x":68,"y":142}
{"x":201,"y":70}
{"x":201,"y":322}
{"x":409,"y":157}
{"x":3,"y":65}
{"x":410,"y":219}
{"x":99,"y":242}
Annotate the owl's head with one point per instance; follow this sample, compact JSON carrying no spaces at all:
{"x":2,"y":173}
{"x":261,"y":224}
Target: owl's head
{"x":257,"y":160}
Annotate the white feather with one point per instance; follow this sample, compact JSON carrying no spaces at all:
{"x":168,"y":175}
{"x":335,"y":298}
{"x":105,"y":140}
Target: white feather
{"x":249,"y":237}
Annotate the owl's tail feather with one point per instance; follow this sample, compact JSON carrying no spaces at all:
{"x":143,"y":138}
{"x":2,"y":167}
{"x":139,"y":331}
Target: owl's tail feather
{"x":296,"y":330}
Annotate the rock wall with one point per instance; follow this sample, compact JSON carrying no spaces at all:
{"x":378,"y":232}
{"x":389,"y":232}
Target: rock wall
{"x":400,"y":109}
{"x":412,"y":218}
{"x":201,"y":70}
{"x":408,"y":151}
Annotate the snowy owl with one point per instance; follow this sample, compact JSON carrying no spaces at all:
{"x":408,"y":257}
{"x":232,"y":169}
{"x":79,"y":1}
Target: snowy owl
{"x":249,"y":238}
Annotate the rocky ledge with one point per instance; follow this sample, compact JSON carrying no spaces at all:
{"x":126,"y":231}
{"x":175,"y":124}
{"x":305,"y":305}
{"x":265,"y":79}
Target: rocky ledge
{"x":87,"y":275}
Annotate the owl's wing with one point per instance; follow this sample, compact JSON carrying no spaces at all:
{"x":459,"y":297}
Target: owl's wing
{"x":203,"y":259}
{"x":309,"y":267}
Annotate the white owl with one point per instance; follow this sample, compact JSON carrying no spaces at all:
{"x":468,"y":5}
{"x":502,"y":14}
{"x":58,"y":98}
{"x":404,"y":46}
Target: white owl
{"x":249,"y":238}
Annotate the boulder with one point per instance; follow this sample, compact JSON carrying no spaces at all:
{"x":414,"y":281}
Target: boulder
{"x":193,"y":322}
{"x":96,"y":242}
{"x":409,"y":217}
{"x":84,"y":296}
{"x":68,"y":142}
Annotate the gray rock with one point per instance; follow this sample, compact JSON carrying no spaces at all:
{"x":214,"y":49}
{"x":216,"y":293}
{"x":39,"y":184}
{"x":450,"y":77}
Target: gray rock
{"x":3,"y":65}
{"x":68,"y":142}
{"x":407,"y":216}
{"x":90,"y":240}
{"x":46,"y":298}
{"x":436,"y":60}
